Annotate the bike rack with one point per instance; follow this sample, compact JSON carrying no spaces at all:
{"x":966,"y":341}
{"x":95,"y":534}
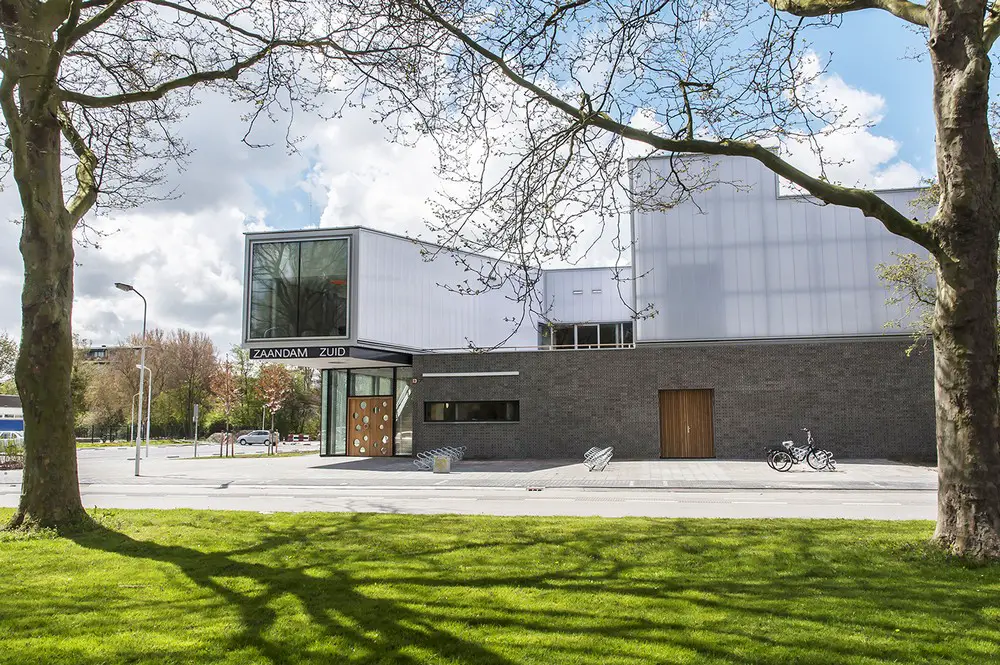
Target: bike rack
{"x":425,"y":460}
{"x":597,"y":459}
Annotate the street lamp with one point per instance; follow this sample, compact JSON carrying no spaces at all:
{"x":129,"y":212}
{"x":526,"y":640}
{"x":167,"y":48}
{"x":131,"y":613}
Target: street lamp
{"x":142,"y":363}
{"x":131,"y":417}
{"x":149,"y":400}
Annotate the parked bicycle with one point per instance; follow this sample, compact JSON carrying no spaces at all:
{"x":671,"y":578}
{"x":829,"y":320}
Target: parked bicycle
{"x":782,"y":459}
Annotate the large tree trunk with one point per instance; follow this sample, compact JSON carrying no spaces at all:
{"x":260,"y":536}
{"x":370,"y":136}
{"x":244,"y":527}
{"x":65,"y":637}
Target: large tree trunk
{"x":966,"y":359}
{"x":50,"y":494}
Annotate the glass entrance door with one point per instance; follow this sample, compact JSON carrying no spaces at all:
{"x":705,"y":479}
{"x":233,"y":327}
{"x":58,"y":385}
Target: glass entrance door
{"x":343,"y":392}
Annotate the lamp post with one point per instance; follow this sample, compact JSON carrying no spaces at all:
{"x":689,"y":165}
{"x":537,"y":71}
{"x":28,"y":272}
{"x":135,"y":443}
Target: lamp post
{"x":149,"y":401}
{"x":142,"y":363}
{"x":131,"y":417}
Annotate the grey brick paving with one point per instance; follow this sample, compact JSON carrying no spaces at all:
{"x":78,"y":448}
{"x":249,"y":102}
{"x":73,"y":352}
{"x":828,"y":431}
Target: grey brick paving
{"x":113,"y":466}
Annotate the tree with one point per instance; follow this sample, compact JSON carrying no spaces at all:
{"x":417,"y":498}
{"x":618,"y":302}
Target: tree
{"x":275,"y":387}
{"x":91,"y":89}
{"x":8,"y":357}
{"x":247,"y":408}
{"x":911,"y":284}
{"x":301,"y":410}
{"x":189,"y":359}
{"x":535,"y":106}
{"x":107,"y":394}
{"x":226,"y":391}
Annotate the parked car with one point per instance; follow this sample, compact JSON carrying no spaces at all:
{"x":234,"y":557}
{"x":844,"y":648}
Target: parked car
{"x":257,"y":436}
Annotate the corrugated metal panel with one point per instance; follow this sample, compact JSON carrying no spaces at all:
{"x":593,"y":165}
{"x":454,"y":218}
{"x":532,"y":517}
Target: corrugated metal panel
{"x":402,"y":301}
{"x":588,"y":294}
{"x":746,"y":263}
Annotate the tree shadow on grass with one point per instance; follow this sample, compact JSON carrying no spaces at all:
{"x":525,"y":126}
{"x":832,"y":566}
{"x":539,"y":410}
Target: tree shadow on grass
{"x":378,"y":626}
{"x":596,"y":593}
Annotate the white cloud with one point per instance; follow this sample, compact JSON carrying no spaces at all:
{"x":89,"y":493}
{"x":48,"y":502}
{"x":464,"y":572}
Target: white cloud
{"x":852,"y":152}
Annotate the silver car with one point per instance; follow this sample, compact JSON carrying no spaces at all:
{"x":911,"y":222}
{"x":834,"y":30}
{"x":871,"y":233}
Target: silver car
{"x":257,"y":436}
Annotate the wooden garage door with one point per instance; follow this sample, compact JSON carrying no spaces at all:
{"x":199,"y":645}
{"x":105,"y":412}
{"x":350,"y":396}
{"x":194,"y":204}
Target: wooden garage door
{"x":686,"y":424}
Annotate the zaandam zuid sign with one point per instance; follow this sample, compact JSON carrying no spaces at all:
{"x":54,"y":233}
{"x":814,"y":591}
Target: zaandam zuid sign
{"x":294,"y":352}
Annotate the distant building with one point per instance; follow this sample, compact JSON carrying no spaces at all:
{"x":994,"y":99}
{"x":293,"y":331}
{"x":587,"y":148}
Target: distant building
{"x":11,"y":414}
{"x":769,"y":318}
{"x":101,"y":354}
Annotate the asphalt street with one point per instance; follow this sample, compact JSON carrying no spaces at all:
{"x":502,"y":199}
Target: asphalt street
{"x":850,"y":504}
{"x":297,"y":484}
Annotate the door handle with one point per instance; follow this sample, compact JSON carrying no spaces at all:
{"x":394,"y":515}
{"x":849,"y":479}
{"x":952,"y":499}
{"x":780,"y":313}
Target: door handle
{"x":689,"y":429}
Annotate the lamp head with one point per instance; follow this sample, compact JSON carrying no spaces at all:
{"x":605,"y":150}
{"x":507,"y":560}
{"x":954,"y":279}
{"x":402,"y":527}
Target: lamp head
{"x":124,"y":287}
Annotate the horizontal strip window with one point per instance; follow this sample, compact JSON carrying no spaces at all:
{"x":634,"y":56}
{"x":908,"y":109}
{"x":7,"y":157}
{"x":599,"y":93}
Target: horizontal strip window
{"x":467,"y":374}
{"x":585,"y":335}
{"x":472,"y":412}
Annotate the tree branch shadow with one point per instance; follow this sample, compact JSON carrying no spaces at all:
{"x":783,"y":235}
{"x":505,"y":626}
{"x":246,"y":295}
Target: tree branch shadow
{"x":381,"y":625}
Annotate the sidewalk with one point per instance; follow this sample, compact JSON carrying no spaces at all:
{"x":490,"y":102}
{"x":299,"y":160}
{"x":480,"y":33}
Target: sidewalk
{"x":400,"y":473}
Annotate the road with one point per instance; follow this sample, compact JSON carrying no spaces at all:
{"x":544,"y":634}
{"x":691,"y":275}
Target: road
{"x":883,"y":505}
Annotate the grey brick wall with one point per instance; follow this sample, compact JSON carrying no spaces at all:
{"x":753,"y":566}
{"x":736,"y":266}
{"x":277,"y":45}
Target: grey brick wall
{"x":862,"y":398}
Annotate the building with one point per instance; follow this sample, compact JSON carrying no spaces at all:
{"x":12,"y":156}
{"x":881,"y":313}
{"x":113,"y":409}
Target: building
{"x":11,"y":414}
{"x":101,"y":355}
{"x":768,"y":318}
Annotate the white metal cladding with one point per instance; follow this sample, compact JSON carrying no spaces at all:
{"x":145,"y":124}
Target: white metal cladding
{"x":750,"y":263}
{"x":402,"y":300}
{"x":581,"y":295}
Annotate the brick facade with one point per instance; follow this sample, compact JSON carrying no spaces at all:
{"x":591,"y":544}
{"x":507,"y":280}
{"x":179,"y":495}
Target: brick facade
{"x":862,"y":398}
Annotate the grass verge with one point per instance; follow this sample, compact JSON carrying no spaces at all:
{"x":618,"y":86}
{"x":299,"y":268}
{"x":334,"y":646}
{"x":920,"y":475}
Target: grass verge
{"x":127,"y":444}
{"x":290,"y":453}
{"x":226,"y":587}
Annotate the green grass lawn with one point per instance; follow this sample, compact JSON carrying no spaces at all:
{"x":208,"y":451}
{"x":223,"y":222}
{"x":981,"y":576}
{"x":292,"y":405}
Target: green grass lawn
{"x":224,"y":587}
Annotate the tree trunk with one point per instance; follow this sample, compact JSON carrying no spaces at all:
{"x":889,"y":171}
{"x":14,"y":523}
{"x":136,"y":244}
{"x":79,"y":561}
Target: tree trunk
{"x":50,"y":492}
{"x":966,"y":226}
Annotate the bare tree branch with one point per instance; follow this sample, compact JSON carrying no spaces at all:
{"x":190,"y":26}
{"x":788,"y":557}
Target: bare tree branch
{"x":232,"y":74}
{"x":908,"y":11}
{"x":868,"y":202}
{"x":86,"y":166}
{"x":111,"y":7}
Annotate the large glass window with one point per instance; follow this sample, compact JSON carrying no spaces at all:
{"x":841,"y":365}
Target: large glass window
{"x":586,"y":337}
{"x":564,"y":336}
{"x":299,"y":289}
{"x":334,"y":413}
{"x":404,"y":411}
{"x":472,"y":412}
{"x":371,"y":382}
{"x":274,"y":291}
{"x":324,"y":413}
{"x":609,"y":334}
{"x":340,"y":412}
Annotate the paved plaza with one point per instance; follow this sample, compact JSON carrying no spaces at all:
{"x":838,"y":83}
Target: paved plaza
{"x":171,"y":478}
{"x":172,"y":465}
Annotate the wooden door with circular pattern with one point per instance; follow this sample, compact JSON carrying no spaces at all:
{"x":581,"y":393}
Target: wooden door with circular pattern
{"x":369,"y":426}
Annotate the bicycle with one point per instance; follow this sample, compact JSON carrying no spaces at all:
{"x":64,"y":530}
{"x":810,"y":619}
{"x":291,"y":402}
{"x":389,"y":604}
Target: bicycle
{"x":782,"y":459}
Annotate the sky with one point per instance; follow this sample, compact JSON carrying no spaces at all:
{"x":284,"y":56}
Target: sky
{"x":185,"y":254}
